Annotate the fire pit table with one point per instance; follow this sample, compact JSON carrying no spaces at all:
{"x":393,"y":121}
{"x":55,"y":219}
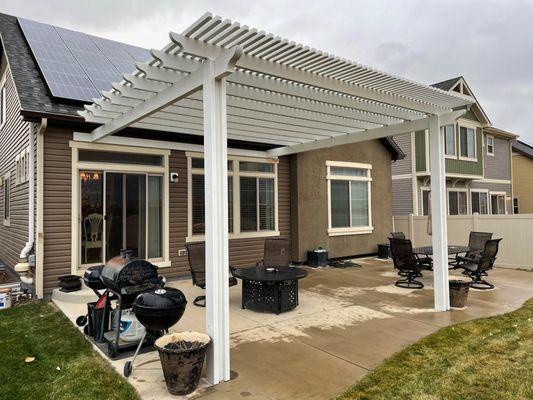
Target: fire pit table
{"x":270,"y":289}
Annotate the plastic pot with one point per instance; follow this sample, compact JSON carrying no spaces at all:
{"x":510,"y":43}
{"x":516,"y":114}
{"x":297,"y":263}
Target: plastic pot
{"x":458,"y":293}
{"x":182,"y":358}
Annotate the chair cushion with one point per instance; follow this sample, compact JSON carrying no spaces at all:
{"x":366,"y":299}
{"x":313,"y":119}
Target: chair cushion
{"x":470,"y":266}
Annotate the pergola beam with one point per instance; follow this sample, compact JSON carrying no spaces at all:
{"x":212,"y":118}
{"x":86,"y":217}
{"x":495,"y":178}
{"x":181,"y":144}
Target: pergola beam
{"x":377,"y":133}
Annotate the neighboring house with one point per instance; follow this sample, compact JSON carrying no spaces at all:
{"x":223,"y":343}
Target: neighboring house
{"x":522,"y":178}
{"x":478,"y":165}
{"x":75,"y":204}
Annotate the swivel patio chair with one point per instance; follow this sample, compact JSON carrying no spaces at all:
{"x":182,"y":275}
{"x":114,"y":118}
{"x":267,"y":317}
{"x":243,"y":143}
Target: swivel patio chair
{"x":196,"y":256}
{"x":277,"y":253}
{"x":478,"y":267}
{"x":407,"y":263}
{"x":476,"y":243}
{"x":398,"y":235}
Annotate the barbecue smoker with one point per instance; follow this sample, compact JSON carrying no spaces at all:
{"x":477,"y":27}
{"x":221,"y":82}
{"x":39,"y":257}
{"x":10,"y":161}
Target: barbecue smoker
{"x":126,"y":277}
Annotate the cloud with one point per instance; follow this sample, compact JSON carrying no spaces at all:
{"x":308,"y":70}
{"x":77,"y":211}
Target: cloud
{"x":486,"y":41}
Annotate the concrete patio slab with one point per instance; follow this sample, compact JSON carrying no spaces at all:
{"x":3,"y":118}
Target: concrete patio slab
{"x":348,"y":322}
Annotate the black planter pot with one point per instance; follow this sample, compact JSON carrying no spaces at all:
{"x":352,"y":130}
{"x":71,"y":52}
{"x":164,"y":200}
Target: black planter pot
{"x":159,"y":309}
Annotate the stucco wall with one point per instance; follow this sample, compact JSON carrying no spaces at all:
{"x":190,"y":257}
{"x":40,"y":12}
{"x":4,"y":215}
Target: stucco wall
{"x":309,"y":191}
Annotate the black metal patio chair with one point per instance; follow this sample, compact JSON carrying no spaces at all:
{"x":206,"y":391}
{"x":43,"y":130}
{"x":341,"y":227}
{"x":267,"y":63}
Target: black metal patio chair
{"x":277,"y":253}
{"x":476,"y":243}
{"x":476,"y":268}
{"x":408,"y":264}
{"x":196,"y":256}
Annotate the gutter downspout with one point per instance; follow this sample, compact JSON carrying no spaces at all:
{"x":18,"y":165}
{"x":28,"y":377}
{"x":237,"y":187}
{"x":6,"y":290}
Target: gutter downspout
{"x":39,"y":248}
{"x":23,"y":265}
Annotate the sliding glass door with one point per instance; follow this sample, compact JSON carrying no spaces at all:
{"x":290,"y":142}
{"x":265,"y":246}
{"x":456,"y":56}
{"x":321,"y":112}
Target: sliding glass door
{"x":130,"y":217}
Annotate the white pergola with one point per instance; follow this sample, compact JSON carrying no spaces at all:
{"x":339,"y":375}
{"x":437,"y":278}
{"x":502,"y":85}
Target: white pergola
{"x":222,"y":80}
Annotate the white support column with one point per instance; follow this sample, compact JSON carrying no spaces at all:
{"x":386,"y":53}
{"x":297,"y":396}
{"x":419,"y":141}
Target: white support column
{"x":439,"y":216}
{"x":216,"y":224}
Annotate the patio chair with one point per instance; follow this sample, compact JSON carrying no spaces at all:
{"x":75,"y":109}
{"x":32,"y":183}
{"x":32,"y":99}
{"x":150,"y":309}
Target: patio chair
{"x":478,"y":267}
{"x":196,"y":256}
{"x":398,"y":235}
{"x":407,"y":263}
{"x":277,"y":253}
{"x":476,"y":243}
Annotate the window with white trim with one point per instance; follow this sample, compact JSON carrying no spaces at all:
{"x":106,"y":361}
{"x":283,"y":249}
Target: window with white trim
{"x":457,"y":203}
{"x":7,"y":198}
{"x":516,"y":205}
{"x":449,"y":140}
{"x":497,"y":203}
{"x":252,"y":197}
{"x":22,"y":172}
{"x":2,"y":105}
{"x":480,"y":202}
{"x":490,"y":144}
{"x":467,"y":142}
{"x":349,"y":198}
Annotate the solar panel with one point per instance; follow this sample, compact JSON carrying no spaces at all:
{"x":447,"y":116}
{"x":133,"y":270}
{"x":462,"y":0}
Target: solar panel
{"x":64,"y":76}
{"x":78,"y":66}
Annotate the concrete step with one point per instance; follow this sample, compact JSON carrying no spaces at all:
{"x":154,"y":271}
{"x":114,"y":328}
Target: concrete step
{"x":83,"y":296}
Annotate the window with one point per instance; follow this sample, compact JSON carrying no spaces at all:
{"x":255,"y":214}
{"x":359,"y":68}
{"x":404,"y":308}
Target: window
{"x":480,"y":202}
{"x":7,"y":198}
{"x":449,"y":140}
{"x":467,"y":142}
{"x":22,"y":168}
{"x":490,"y":145}
{"x":516,"y":205}
{"x":457,"y":203}
{"x":251,"y":185}
{"x":349,"y":198}
{"x":425,"y":201}
{"x":2,"y":105}
{"x":497,"y":203}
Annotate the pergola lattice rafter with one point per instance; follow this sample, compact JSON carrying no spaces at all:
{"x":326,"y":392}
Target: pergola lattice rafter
{"x":280,"y":93}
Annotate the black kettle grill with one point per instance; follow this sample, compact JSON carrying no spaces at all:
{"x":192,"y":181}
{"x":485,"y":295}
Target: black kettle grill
{"x":125,"y":277}
{"x":129,"y":275}
{"x":157,"y":310}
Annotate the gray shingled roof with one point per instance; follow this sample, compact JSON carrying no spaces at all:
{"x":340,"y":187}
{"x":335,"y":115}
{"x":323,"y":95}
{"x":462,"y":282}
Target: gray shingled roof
{"x":447,"y":84}
{"x":523,"y":148}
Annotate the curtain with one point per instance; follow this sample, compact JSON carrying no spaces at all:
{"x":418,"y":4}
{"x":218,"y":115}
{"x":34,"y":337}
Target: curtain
{"x":155,"y":214}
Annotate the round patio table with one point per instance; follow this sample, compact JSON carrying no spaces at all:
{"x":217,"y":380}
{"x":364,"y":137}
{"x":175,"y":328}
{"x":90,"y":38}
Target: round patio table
{"x":270,"y":291}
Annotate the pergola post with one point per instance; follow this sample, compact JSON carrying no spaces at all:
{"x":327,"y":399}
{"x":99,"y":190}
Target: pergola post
{"x":439,"y":215}
{"x":216,"y":224}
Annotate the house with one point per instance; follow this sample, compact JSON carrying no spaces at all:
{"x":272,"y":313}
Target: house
{"x":522,"y":178}
{"x":69,"y":204}
{"x":477,"y":162}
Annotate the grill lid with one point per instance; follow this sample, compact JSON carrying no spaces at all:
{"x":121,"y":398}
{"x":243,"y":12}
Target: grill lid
{"x":125,"y":270}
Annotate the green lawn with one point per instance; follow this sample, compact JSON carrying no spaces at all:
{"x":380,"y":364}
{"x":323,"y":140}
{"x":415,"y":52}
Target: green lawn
{"x":65,"y":365}
{"x":485,"y":359}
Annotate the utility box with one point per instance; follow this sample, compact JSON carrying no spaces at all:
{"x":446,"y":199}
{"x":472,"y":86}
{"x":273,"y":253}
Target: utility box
{"x":317,"y":258}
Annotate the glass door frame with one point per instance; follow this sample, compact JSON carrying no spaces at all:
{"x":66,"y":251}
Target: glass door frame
{"x":146,"y":170}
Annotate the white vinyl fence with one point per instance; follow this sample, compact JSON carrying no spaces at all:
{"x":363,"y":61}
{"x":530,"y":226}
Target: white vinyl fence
{"x":516,"y":248}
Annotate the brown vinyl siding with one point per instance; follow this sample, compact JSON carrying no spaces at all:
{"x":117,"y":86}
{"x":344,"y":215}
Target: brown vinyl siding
{"x":56,"y":206}
{"x":402,"y":196}
{"x":14,"y":138}
{"x":57,"y":212}
{"x":404,"y":166}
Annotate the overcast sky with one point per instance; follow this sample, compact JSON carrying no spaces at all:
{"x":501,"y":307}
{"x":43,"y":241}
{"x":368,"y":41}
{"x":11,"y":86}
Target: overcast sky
{"x":490,"y":43}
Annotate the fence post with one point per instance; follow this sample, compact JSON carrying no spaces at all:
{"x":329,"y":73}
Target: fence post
{"x":411,"y":228}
